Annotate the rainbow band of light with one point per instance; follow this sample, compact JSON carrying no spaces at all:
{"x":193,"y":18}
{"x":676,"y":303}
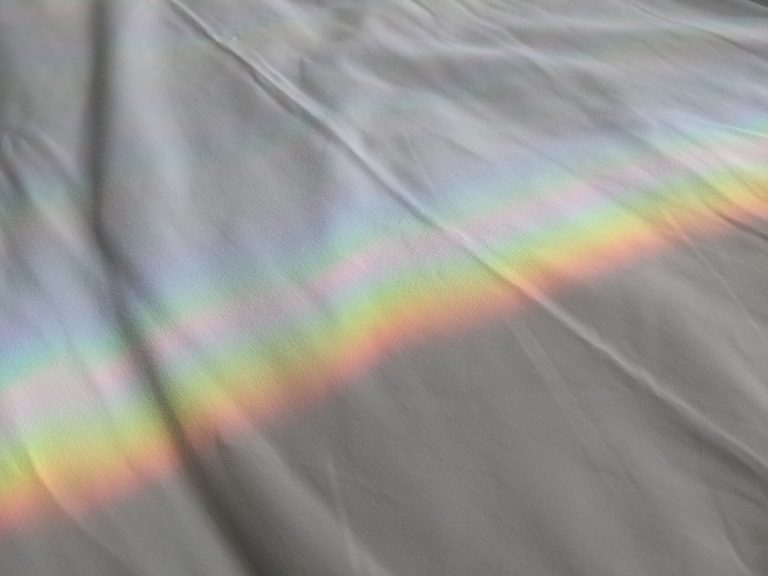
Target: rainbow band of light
{"x":84,"y":460}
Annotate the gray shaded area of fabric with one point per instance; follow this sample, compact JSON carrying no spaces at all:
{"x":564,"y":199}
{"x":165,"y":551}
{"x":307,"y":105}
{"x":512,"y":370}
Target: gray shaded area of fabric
{"x":616,"y":427}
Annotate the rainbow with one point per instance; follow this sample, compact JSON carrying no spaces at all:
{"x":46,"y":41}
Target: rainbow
{"x":508,"y":242}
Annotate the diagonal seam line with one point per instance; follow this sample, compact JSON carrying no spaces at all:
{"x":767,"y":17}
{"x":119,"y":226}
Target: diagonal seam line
{"x":294,"y":101}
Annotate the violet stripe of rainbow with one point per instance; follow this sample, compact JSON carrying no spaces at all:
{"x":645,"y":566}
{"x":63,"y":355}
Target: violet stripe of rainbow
{"x":608,"y":50}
